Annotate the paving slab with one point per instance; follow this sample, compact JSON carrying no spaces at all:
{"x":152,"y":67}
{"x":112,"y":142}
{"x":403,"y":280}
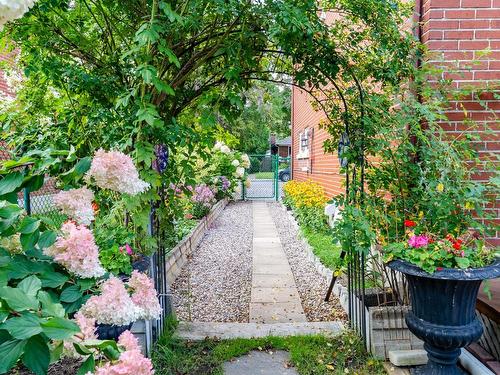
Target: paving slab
{"x":264,"y":280}
{"x":197,"y":331}
{"x":274,"y":296}
{"x":277,"y":312}
{"x":261,"y":363}
{"x":272,"y":269}
{"x":270,"y":258}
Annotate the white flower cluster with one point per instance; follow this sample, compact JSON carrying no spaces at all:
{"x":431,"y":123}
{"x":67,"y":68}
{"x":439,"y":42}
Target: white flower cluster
{"x":222,"y":147}
{"x":13,"y":9}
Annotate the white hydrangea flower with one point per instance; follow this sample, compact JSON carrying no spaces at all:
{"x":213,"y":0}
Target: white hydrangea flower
{"x":218,"y":145}
{"x":225,"y":150}
{"x":240,"y":172}
{"x":245,"y":161}
{"x":235,"y":163}
{"x":13,"y":9}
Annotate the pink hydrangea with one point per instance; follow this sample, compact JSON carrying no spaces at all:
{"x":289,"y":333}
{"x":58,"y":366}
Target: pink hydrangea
{"x":113,"y":305}
{"x":131,"y":362}
{"x":128,"y":341}
{"x":76,"y":250}
{"x":115,"y":171}
{"x":418,"y":241}
{"x":77,"y":204}
{"x":144,"y":295}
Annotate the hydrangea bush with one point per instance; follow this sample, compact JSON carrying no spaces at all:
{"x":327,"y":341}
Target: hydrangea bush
{"x":53,"y":288}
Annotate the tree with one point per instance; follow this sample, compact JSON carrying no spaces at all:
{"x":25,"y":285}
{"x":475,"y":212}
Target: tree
{"x":134,"y":74}
{"x":266,"y":110}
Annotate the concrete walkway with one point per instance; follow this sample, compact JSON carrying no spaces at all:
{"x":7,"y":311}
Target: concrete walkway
{"x":274,"y":296}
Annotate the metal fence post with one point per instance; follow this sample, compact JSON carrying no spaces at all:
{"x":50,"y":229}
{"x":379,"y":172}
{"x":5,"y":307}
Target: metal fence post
{"x":27,"y":201}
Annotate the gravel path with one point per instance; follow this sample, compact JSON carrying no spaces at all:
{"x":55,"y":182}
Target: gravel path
{"x":214,"y":286}
{"x":312,"y":286}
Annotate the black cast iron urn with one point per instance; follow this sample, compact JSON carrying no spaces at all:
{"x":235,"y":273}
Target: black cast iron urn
{"x":443,"y":312}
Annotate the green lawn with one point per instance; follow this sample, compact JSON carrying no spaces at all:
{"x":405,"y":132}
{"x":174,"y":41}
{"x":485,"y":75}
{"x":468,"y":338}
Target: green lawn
{"x":311,"y":355}
{"x":264,"y":175}
{"x":323,"y":248}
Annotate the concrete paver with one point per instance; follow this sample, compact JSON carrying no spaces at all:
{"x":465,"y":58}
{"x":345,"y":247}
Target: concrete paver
{"x":274,"y":296}
{"x":261,"y":363}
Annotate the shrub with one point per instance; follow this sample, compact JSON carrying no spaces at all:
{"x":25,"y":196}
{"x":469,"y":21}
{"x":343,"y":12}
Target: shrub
{"x":307,"y":199}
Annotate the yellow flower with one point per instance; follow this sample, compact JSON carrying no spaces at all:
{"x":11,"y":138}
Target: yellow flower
{"x":440,"y":187}
{"x":469,"y":205}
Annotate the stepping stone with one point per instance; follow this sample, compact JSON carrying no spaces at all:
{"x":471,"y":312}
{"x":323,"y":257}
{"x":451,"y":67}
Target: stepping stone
{"x":274,"y":294}
{"x":197,"y":331}
{"x":260,"y":363}
{"x":277,"y":312}
{"x":278,"y":281}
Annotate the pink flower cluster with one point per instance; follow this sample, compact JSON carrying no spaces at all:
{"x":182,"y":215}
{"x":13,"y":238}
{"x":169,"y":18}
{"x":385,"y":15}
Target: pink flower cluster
{"x":77,"y":251}
{"x":115,"y":171}
{"x":144,"y":295}
{"x":77,"y":204}
{"x":113,"y":305}
{"x":130,"y":362}
{"x":418,"y":241}
{"x":204,"y":195}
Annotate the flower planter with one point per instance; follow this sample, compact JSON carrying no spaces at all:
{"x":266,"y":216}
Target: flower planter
{"x":111,"y":332}
{"x":142,"y":264}
{"x":443,"y":312}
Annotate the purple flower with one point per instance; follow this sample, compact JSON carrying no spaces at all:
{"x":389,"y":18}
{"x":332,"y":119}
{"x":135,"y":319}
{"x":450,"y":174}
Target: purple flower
{"x":225,"y":183}
{"x":418,"y":241}
{"x":203,"y":194}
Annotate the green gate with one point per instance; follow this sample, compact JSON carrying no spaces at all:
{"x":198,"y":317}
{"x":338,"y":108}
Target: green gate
{"x":266,"y":174}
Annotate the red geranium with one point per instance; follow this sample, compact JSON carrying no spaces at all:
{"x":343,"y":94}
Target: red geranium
{"x":457,"y":245}
{"x":410,"y":223}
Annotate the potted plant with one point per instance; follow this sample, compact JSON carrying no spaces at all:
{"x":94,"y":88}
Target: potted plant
{"x":443,"y":298}
{"x":120,"y":304}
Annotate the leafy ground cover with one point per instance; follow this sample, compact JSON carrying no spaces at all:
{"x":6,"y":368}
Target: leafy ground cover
{"x":311,"y":355}
{"x":323,"y":247}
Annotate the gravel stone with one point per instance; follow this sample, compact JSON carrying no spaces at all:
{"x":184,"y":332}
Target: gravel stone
{"x":215,"y":283}
{"x":311,"y":285}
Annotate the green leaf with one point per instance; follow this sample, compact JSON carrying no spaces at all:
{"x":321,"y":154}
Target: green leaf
{"x":10,"y":351}
{"x":83,"y":165}
{"x":29,"y":225}
{"x":87,"y":366}
{"x":52,"y":279}
{"x":46,"y":239}
{"x":17,"y":299}
{"x":30,"y":285}
{"x":56,"y":352}
{"x":49,"y":306}
{"x":23,"y":327}
{"x":8,"y":210}
{"x":462,"y":262}
{"x":36,"y":356}
{"x":29,"y":240}
{"x":60,"y":328}
{"x":11,"y":182}
{"x":71,"y":294}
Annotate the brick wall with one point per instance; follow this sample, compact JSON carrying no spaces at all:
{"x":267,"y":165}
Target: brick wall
{"x":456,"y":32}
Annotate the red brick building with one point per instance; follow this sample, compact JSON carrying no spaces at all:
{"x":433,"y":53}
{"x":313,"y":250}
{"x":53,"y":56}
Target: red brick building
{"x":458,"y":31}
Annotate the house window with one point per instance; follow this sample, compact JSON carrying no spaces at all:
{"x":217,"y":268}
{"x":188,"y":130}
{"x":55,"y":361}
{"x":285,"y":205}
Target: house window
{"x":304,"y":140}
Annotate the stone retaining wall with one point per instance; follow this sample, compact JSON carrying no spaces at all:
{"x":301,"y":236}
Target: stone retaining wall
{"x":179,"y":254}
